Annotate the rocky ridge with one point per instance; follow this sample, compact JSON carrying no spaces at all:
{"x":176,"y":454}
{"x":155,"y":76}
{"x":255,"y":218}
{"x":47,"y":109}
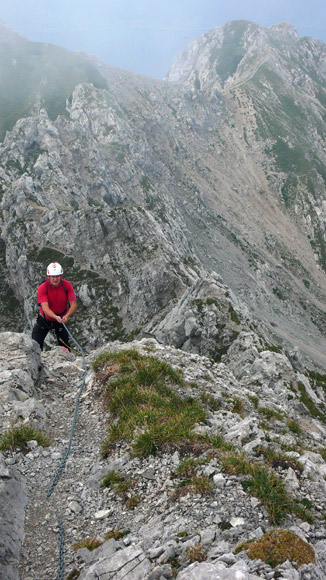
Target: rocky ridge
{"x":141,"y":188}
{"x":157,"y":537}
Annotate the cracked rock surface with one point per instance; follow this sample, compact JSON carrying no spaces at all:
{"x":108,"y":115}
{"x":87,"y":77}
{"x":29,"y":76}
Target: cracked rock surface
{"x":158,"y":535}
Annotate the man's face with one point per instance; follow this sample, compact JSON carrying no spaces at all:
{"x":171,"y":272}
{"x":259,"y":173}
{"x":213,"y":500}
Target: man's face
{"x":55,"y":281}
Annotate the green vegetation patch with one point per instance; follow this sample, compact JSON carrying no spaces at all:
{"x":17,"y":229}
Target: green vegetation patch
{"x":277,"y":546}
{"x":227,"y":57}
{"x":270,"y":413}
{"x":116,"y":482}
{"x":210,"y":301}
{"x":209,"y":400}
{"x":233,"y":315}
{"x":278,"y":459}
{"x":318,"y":379}
{"x":146,"y":184}
{"x":238,"y":406}
{"x":17,"y":438}
{"x":309,"y":404}
{"x":266,"y":486}
{"x":192,"y":482}
{"x":294,"y":426}
{"x":145,"y":409}
{"x":121,"y":485}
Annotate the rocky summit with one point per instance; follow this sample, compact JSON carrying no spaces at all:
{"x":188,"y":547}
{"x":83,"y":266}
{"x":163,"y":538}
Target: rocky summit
{"x":183,"y":437}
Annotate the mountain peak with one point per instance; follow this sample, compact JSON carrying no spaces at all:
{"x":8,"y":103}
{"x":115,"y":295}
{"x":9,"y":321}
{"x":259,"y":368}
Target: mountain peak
{"x":285,"y":29}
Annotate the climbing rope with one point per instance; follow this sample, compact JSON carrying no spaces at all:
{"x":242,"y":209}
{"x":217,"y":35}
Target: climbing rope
{"x":65,"y":457}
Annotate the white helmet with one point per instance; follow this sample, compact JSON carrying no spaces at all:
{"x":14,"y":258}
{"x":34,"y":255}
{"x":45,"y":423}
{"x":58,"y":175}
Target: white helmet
{"x":54,"y":269}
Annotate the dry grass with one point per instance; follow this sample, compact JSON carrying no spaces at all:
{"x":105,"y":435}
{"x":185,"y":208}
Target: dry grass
{"x":277,"y":546}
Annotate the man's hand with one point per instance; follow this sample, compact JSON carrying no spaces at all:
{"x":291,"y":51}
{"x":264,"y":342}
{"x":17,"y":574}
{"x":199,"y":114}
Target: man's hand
{"x":65,"y":319}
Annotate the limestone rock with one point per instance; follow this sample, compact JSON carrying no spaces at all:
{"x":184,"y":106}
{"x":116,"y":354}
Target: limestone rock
{"x":13,"y":500}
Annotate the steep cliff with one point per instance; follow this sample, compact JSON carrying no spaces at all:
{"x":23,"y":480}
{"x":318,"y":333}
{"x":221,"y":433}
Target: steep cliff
{"x":141,"y":188}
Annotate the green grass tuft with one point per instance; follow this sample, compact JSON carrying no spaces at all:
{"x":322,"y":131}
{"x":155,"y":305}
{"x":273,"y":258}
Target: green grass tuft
{"x":264,"y":485}
{"x":116,"y":482}
{"x":294,"y":426}
{"x":277,"y":459}
{"x":270,"y":413}
{"x":18,"y":437}
{"x":238,"y":406}
{"x":146,"y":410}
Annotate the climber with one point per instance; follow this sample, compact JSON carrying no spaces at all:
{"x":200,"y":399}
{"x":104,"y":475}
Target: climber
{"x":57,"y":301}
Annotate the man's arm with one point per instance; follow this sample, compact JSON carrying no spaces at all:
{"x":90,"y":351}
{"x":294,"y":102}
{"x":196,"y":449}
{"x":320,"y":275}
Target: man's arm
{"x":47,"y":310}
{"x":71,"y":311}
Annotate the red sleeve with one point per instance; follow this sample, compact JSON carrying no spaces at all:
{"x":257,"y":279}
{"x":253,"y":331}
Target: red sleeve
{"x":42,"y":293}
{"x":70,"y":290}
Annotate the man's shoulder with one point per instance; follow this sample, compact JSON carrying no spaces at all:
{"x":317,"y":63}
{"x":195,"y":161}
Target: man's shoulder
{"x":42,"y":287}
{"x":69,"y":289}
{"x":42,"y":292}
{"x":42,"y":284}
{"x":66,"y":283}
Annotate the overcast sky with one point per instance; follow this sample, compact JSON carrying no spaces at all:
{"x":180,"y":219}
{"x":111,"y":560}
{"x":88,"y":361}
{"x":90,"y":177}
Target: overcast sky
{"x":144,"y":36}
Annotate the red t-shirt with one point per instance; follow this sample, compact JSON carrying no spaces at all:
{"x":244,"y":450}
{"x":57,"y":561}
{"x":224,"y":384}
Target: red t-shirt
{"x":55,"y":297}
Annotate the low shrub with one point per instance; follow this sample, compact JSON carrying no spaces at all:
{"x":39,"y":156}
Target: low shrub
{"x":89,"y":543}
{"x":196,"y":553}
{"x":277,"y":546}
{"x":116,"y":534}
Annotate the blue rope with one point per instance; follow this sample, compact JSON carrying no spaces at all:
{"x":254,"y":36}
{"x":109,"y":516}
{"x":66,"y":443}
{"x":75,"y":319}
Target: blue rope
{"x":65,"y":457}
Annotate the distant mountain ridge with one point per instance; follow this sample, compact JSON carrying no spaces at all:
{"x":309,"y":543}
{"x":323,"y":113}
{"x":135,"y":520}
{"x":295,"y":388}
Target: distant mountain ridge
{"x":34,"y":74}
{"x":144,"y":188}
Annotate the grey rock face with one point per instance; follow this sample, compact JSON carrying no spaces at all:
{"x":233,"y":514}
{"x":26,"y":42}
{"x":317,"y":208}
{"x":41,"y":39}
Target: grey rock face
{"x":207,"y":571}
{"x":141,"y":188}
{"x":206,"y":320}
{"x":13,"y":500}
{"x":129,"y":563}
{"x":19,"y":372}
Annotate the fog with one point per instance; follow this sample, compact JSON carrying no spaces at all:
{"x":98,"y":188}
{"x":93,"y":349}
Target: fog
{"x":144,"y":36}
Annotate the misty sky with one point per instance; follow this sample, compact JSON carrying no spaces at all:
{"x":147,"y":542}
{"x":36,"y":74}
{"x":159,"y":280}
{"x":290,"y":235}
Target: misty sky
{"x":144,"y":36}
